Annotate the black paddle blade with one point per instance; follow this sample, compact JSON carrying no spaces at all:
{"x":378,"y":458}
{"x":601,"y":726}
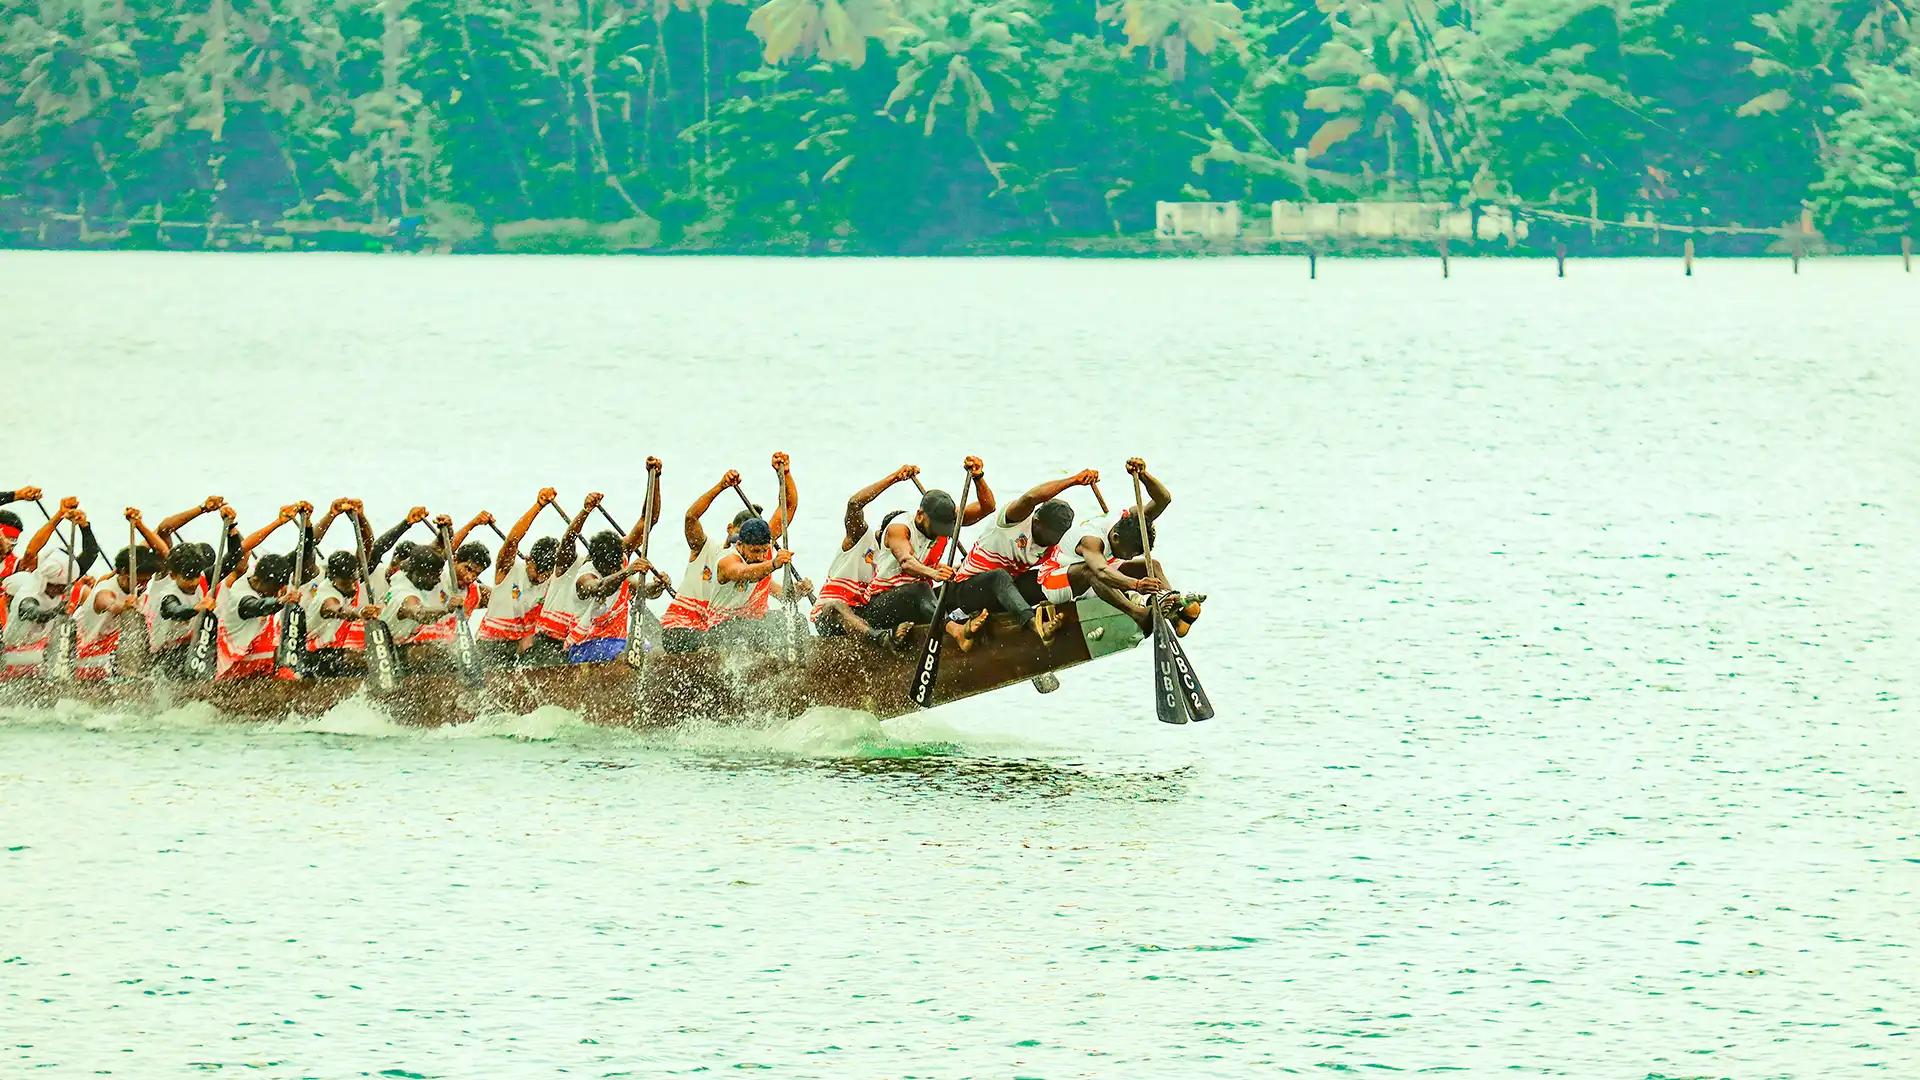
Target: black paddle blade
{"x":383,"y":671}
{"x":204,"y":661}
{"x":63,"y":649}
{"x":466,"y":654}
{"x":928,"y":673}
{"x":290,"y":652}
{"x":1199,"y":706}
{"x":1169,"y":697}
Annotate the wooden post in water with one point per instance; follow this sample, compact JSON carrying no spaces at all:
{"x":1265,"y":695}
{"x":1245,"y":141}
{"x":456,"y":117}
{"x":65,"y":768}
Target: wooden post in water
{"x":1313,"y":264}
{"x":1906,"y":252}
{"x":1446,"y":270}
{"x":1688,"y":256}
{"x":1560,"y":258}
{"x":1797,"y":251}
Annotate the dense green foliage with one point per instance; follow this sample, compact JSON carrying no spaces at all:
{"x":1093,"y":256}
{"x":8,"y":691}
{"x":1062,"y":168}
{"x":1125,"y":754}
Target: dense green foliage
{"x":915,"y":125}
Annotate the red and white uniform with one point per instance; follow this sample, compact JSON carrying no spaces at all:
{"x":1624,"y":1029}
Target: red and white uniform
{"x":169,"y":633}
{"x":405,"y":630}
{"x":587,"y":620}
{"x":1064,"y":556}
{"x":1003,"y":546}
{"x":693,"y":608}
{"x":732,"y":600}
{"x":850,"y":576}
{"x":245,"y":645}
{"x":887,"y":572}
{"x":98,"y":632}
{"x":514,"y":609}
{"x":325,"y":633}
{"x":8,"y":563}
{"x":25,"y":641}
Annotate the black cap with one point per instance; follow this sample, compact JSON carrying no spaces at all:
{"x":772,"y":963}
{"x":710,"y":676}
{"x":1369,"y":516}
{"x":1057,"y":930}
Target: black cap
{"x":939,"y":508}
{"x":1055,"y":514}
{"x":755,"y":532}
{"x":343,"y":564}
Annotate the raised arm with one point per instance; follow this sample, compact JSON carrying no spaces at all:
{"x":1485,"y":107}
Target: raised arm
{"x":152,"y":539}
{"x":230,"y":525}
{"x":287,"y":513}
{"x":30,"y":558}
{"x":338,"y":507}
{"x":1157,"y":494}
{"x":697,"y":535}
{"x":482,"y":518}
{"x":649,"y":514}
{"x":89,"y":545}
{"x":1023,"y":507}
{"x":27,"y":493}
{"x":392,"y":536}
{"x":564,"y":554}
{"x":855,"y":523}
{"x":982,"y":503}
{"x":172,"y":525}
{"x":783,"y":466}
{"x":510,"y":547}
{"x":362,"y":525}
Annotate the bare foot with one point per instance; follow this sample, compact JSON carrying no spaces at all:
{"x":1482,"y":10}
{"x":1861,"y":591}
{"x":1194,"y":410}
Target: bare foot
{"x":900,"y":635}
{"x":1046,"y":622}
{"x":963,"y":632}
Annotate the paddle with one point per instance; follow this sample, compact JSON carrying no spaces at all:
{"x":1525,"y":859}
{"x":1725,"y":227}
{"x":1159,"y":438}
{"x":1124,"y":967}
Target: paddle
{"x":659,"y":575}
{"x":63,"y":635}
{"x":928,"y":673}
{"x":792,"y":602}
{"x":1099,"y":498}
{"x":1177,"y":694}
{"x":131,"y":651}
{"x":383,"y":668}
{"x":203,"y":662}
{"x":290,"y":652}
{"x":466,"y":652}
{"x":56,"y":535}
{"x":956,"y":540}
{"x":644,"y":631}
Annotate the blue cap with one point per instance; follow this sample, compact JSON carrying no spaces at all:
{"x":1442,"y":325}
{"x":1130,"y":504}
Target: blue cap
{"x":755,"y":532}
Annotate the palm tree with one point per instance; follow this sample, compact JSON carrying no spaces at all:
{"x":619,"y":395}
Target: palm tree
{"x":825,"y":29}
{"x":960,"y":53}
{"x":1799,"y":57}
{"x":1171,"y":27}
{"x":1378,"y":74}
{"x":72,"y":58}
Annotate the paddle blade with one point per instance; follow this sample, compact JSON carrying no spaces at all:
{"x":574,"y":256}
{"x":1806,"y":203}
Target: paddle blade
{"x":927,"y":674}
{"x":290,"y":652}
{"x":383,"y":671}
{"x":1169,"y":697}
{"x":203,"y":662}
{"x":1199,"y":706}
{"x":644,"y":635}
{"x":466,"y":653}
{"x":63,"y":649}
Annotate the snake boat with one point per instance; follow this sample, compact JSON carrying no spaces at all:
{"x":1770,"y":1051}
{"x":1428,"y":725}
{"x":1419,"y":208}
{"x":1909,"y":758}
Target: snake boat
{"x":665,"y":689}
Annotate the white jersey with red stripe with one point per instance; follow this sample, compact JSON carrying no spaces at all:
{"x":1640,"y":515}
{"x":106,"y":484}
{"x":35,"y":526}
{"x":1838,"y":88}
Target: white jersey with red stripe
{"x":887,"y":571}
{"x":514,"y":609}
{"x":850,"y":576}
{"x":169,"y":633}
{"x":325,"y":633}
{"x":595,"y":619}
{"x":693,"y":608}
{"x":24,"y":640}
{"x":411,"y":632}
{"x":1003,"y":546}
{"x":242,"y":641}
{"x":730,"y":600}
{"x":98,"y":632}
{"x":1064,"y":556}
{"x":7,"y":564}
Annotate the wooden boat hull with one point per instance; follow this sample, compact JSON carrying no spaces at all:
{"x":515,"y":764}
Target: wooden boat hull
{"x":709,"y":685}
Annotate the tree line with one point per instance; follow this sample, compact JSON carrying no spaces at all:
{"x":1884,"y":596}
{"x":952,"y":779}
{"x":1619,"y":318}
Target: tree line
{"x":928,"y":125}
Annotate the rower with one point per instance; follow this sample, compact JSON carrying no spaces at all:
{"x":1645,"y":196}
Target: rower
{"x":336,"y":602}
{"x":738,"y":579}
{"x":470,"y":560}
{"x":249,"y":604}
{"x":390,"y":541}
{"x":36,"y":594}
{"x":10,"y":529}
{"x":1106,"y":556}
{"x":691,"y":614}
{"x":419,"y":610}
{"x":175,"y":599}
{"x":519,"y":588}
{"x":97,"y":620}
{"x":850,"y":576}
{"x":590,"y":594}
